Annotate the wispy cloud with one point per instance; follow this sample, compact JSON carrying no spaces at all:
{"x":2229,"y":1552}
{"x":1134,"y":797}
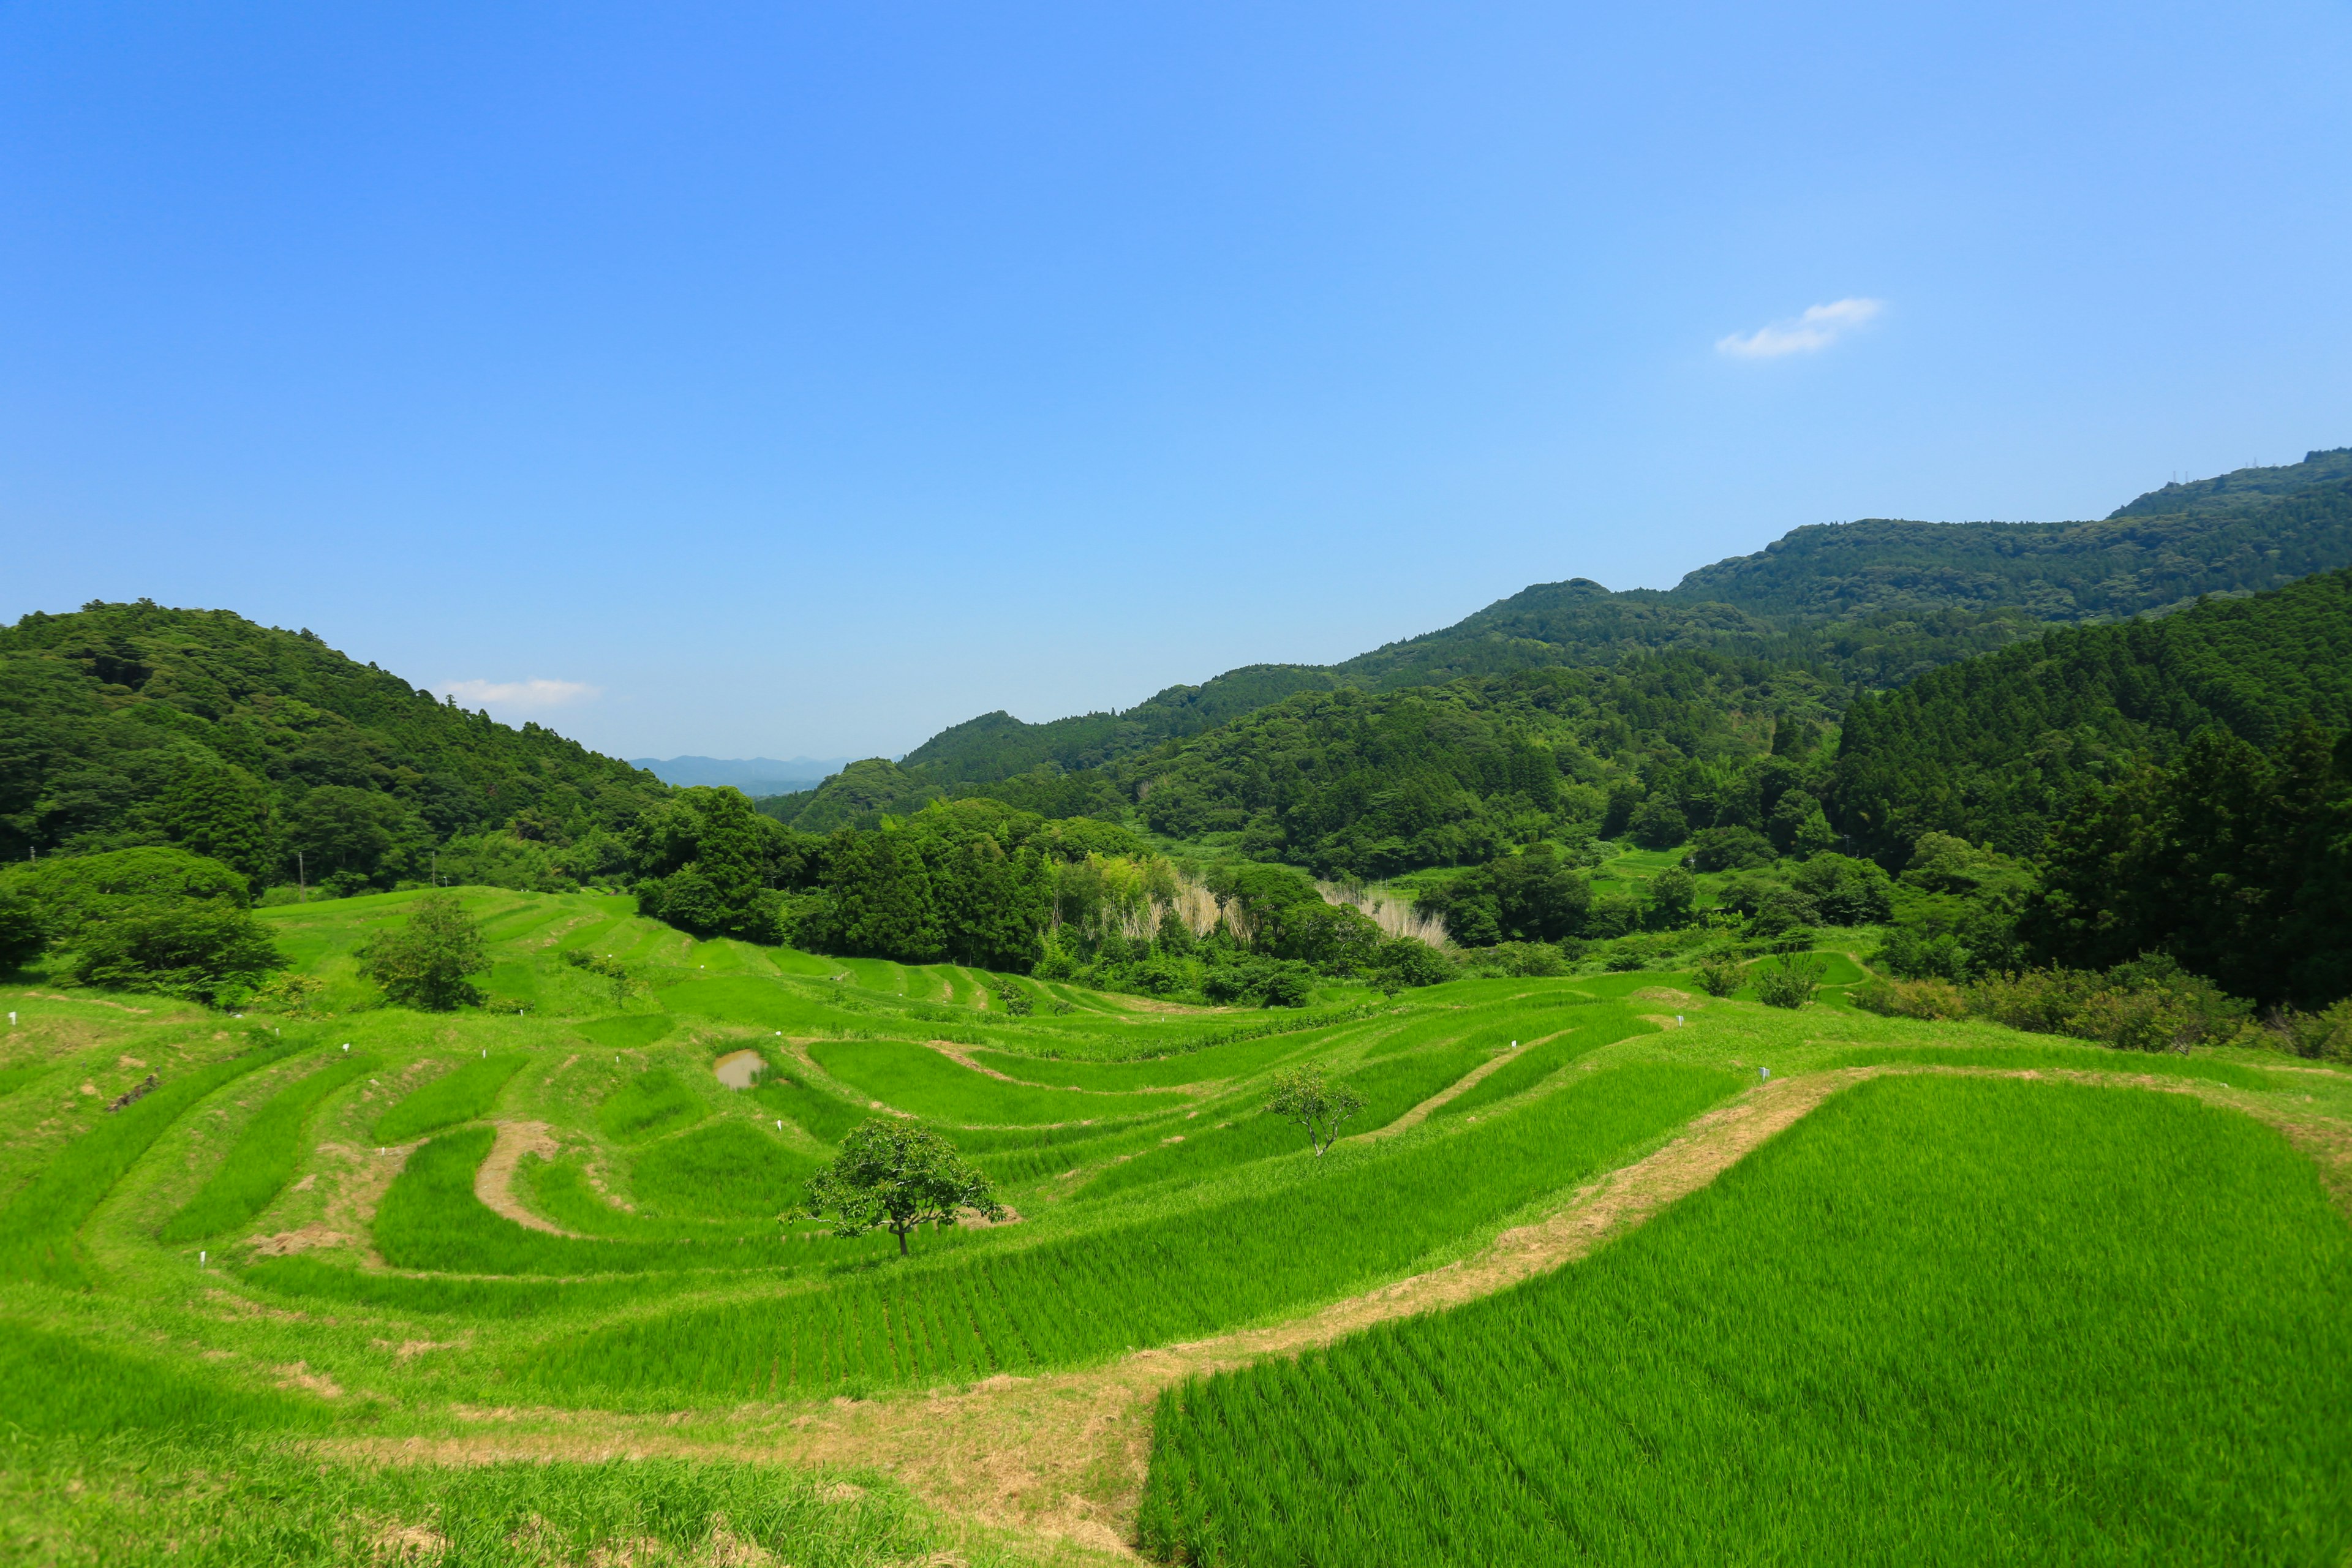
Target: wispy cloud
{"x":533,"y":694}
{"x":1814,"y":331}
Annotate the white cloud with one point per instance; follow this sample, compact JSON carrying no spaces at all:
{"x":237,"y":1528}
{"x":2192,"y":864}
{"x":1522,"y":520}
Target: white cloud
{"x":1814,"y":331}
{"x":533,"y":694}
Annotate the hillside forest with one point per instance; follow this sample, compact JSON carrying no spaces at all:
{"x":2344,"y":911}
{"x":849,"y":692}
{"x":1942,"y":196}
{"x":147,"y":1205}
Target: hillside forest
{"x":2111,"y":755}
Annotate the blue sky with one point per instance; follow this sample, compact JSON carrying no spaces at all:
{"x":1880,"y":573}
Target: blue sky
{"x":799,"y":379}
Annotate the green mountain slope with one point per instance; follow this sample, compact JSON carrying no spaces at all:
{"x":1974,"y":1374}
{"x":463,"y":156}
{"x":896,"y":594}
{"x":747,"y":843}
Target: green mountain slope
{"x":1878,"y":603}
{"x":128,"y":724}
{"x":1994,"y":749}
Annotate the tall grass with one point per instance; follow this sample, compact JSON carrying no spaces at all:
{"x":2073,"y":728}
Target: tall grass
{"x":1396,"y":917}
{"x":36,"y":1229}
{"x":1942,"y":1321}
{"x":262,"y":1160}
{"x":251,"y":1504}
{"x":464,"y":1095}
{"x":1365,"y":1217}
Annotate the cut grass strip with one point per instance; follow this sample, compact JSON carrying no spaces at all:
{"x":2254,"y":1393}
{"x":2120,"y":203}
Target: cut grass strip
{"x":1365,"y":1215}
{"x":160,"y":1504}
{"x":464,"y":1095}
{"x":1941,"y":1320}
{"x":2068,"y":1058}
{"x":262,"y":1160}
{"x":36,"y":1229}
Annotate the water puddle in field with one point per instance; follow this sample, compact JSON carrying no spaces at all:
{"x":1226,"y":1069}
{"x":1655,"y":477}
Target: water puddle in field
{"x":740,"y":1069}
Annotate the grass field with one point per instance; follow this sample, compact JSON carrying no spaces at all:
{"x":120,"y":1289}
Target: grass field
{"x":224,"y":1301}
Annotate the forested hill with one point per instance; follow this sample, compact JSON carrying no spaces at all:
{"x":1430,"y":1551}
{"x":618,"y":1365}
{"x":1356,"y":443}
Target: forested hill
{"x":1995,"y":750}
{"x":2243,"y":533}
{"x":1871,"y":603}
{"x":129,"y":724}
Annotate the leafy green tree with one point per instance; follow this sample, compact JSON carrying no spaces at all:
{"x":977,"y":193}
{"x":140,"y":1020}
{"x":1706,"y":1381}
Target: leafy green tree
{"x":350,"y":839}
{"x":896,"y":1176}
{"x":1320,"y":1106}
{"x":203,"y":951}
{"x":878,"y":898}
{"x":1732,"y":848}
{"x":1790,"y":981}
{"x":225,"y":814}
{"x":1674,"y":897}
{"x":428,"y":963}
{"x":1658,"y":824}
{"x":1844,"y":891}
{"x":74,"y":892}
{"x":1408,"y":962}
{"x":21,"y":935}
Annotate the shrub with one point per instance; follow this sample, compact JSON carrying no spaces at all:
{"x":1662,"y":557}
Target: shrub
{"x":202,"y":952}
{"x":1790,"y":982}
{"x":2325,"y":1036}
{"x":1911,"y":998}
{"x":1718,"y":974}
{"x":1290,"y":987}
{"x":425,"y":964}
{"x":1409,"y":962}
{"x":1518,"y":960}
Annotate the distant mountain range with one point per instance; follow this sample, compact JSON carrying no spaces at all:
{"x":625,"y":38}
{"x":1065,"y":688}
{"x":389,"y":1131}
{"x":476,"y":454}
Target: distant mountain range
{"x":755,"y":776}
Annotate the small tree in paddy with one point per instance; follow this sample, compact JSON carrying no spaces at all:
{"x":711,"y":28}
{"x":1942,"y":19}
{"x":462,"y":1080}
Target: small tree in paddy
{"x":1303,"y":1095}
{"x":894,"y":1177}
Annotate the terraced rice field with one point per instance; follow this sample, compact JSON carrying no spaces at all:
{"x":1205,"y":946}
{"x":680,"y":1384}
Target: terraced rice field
{"x":551,"y":1231}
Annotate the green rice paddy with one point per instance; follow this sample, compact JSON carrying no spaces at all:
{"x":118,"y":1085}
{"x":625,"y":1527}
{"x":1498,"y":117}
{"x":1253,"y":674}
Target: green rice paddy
{"x":2054,"y":1323}
{"x":1943,"y":1317}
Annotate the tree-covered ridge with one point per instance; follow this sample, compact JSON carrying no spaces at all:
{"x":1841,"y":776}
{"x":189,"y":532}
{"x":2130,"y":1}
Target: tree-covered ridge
{"x":2241,"y":488}
{"x":997,"y":745}
{"x":129,"y":725}
{"x":1996,"y":748}
{"x":1875,"y":602}
{"x":2125,"y":565}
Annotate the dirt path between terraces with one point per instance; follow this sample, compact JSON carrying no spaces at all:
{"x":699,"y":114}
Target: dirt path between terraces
{"x":493,"y":1183}
{"x":1063,"y":1455}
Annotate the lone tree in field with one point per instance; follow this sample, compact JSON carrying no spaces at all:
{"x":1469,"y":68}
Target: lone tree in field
{"x":1302,"y":1095}
{"x":897,"y":1177}
{"x":425,"y":964}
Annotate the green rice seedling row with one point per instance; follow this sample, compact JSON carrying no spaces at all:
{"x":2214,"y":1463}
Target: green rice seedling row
{"x":1354,"y":1221}
{"x":464,"y":1095}
{"x":262,"y":1160}
{"x":1940,"y":1321}
{"x":37,"y":1227}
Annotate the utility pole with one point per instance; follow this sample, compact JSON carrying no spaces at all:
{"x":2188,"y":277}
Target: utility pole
{"x":301,"y":877}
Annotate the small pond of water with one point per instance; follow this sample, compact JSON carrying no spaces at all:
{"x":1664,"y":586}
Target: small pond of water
{"x":740,"y":1069}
